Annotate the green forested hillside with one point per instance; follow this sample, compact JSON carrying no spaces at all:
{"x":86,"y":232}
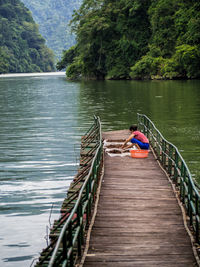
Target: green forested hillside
{"x":135,"y":39}
{"x":174,"y":47}
{"x":22,"y":48}
{"x":53,"y":17}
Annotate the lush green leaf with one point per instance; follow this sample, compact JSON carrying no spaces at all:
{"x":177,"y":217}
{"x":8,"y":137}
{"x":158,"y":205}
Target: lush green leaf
{"x":22,"y":48}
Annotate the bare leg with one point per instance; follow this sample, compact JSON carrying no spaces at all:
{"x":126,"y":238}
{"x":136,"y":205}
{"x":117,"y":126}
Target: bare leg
{"x":135,"y":144}
{"x":129,"y":146}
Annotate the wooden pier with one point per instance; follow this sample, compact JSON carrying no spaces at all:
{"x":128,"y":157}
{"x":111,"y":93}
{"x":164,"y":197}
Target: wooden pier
{"x":139,"y":221}
{"x":122,"y":211}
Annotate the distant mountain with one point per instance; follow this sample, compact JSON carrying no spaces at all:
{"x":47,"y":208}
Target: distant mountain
{"x":53,"y":17}
{"x":22,"y":48}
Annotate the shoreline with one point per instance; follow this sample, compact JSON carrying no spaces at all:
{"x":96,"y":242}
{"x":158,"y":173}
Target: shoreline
{"x":34,"y":74}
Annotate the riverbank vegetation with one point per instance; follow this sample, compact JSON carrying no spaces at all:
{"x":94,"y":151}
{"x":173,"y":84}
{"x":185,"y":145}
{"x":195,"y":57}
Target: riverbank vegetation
{"x":139,"y":39}
{"x":22,"y":48}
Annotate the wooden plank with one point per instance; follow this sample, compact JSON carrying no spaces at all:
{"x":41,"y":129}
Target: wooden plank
{"x":138,"y":221}
{"x":141,"y":249}
{"x":148,"y":261}
{"x":137,"y":237}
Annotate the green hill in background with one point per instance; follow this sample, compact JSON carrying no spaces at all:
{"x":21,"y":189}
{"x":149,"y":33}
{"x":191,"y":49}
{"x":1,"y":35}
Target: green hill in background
{"x":138,"y":39}
{"x":53,"y":17}
{"x":22,"y":48}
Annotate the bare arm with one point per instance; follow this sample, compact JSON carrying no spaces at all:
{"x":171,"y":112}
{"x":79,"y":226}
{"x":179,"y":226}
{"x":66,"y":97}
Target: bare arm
{"x":128,"y":140}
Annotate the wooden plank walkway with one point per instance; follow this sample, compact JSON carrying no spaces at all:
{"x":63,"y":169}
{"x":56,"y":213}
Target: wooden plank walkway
{"x":138,"y":221}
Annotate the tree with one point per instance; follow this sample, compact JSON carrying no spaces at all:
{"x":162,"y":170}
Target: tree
{"x":135,"y":39}
{"x":22,"y":48}
{"x":175,"y":42}
{"x":111,"y":36}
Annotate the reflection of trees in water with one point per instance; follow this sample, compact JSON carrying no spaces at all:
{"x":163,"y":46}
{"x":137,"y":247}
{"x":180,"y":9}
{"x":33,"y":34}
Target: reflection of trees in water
{"x":172,"y":105}
{"x":116,"y":102}
{"x":160,"y":100}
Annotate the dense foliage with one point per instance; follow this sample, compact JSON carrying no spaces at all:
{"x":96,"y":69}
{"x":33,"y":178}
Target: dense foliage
{"x":174,"y":49}
{"x":111,"y":36}
{"x":22,"y":48}
{"x":122,"y":39}
{"x":53,"y":17}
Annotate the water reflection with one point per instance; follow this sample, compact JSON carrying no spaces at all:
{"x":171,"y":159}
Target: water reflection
{"x":174,"y":107}
{"x":39,"y":142}
{"x":41,"y":121}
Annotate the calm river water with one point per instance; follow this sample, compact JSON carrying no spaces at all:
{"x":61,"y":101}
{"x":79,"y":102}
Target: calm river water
{"x":41,"y":121}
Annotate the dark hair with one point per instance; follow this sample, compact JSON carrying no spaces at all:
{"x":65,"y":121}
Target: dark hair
{"x":133,"y":128}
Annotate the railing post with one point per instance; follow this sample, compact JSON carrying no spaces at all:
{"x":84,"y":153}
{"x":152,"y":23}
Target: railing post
{"x":147,"y":130}
{"x":190,"y":200}
{"x":170,"y":160}
{"x":80,"y":224}
{"x":182,"y":186}
{"x":163,"y":153}
{"x":197,"y":218}
{"x":70,"y":238}
{"x":96,"y":167}
{"x":144,"y":126}
{"x":176,"y":168}
{"x":88,"y":196}
{"x":158,"y":146}
{"x":64,"y":243}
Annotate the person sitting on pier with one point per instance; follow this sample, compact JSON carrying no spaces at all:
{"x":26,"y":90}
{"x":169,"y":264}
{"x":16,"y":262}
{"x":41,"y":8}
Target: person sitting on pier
{"x":136,"y":138}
